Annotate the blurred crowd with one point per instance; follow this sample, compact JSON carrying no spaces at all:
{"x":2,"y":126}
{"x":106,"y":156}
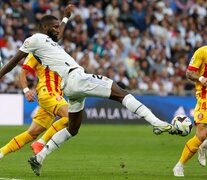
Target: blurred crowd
{"x":143,"y":45}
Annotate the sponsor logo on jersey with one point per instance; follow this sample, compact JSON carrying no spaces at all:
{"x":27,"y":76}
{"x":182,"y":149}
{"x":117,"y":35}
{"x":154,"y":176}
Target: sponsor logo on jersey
{"x":26,"y":44}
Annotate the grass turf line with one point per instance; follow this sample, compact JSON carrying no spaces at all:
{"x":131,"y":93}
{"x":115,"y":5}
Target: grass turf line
{"x":104,"y":152}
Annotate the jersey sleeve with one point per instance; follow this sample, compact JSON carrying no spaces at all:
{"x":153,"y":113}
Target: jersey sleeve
{"x":30,"y":45}
{"x":30,"y":64}
{"x":196,"y":60}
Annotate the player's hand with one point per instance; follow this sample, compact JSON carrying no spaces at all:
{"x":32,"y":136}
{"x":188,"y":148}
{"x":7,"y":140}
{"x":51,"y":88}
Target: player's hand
{"x":204,"y":81}
{"x":30,"y":96}
{"x":68,"y":10}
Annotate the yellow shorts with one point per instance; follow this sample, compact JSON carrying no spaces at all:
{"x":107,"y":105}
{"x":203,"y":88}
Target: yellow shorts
{"x":49,"y":105}
{"x":200,"y":112}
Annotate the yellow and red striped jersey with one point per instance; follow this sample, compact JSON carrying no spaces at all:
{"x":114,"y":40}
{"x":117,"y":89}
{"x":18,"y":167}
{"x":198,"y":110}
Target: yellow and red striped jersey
{"x":198,"y":64}
{"x":46,"y":77}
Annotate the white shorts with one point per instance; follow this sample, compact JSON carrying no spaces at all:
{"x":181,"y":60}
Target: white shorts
{"x":79,"y":85}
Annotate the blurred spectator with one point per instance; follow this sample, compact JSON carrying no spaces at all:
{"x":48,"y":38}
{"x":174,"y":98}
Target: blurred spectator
{"x":183,"y":6}
{"x":112,"y":9}
{"x":139,"y":14}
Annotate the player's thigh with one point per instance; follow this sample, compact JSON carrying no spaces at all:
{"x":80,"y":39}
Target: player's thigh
{"x":63,"y":111}
{"x":81,"y":84}
{"x":43,"y":118}
{"x":99,"y":86}
{"x":52,"y":102}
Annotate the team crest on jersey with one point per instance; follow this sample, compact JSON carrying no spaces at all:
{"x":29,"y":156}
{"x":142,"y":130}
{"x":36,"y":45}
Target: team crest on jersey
{"x":26,"y":44}
{"x":59,"y":98}
{"x":200,"y":116}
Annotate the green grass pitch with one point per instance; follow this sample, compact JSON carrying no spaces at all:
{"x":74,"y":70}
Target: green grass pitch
{"x":104,"y":152}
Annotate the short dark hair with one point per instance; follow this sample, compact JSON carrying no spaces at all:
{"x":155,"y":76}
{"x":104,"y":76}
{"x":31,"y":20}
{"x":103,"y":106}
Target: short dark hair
{"x":46,"y":20}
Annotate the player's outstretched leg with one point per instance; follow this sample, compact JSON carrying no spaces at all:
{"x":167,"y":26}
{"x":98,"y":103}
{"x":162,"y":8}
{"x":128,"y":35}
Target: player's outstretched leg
{"x":131,"y":103}
{"x":35,"y":165}
{"x":135,"y":106}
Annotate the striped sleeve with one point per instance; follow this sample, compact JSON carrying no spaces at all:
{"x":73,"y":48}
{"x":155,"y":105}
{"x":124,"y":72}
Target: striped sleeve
{"x":30,"y":64}
{"x":196,"y":60}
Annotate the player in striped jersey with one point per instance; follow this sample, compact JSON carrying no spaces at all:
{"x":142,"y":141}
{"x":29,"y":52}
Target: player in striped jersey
{"x":51,"y":83}
{"x":51,"y":103}
{"x":197,"y":72}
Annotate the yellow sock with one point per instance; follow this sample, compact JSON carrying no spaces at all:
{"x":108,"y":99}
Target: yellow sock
{"x":16,"y":143}
{"x":55,"y":127}
{"x":190,"y":149}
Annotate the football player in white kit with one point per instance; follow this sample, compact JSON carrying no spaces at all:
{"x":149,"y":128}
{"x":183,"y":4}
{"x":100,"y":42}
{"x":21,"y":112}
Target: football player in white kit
{"x":76,"y":85}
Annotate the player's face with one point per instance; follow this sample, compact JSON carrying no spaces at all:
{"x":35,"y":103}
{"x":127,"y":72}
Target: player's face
{"x":54,"y":30}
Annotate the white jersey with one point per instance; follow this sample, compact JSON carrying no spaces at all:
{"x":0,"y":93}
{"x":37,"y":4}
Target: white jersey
{"x":49,"y":53}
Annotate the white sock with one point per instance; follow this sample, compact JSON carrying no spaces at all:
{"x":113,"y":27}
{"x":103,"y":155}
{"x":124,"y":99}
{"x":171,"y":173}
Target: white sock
{"x":1,"y":155}
{"x":140,"y":109}
{"x":41,"y":141}
{"x":204,"y":145}
{"x":53,"y":144}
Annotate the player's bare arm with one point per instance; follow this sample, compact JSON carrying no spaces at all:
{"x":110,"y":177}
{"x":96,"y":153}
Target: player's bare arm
{"x":67,"y":13}
{"x":30,"y":94}
{"x":194,"y":76}
{"x":12,"y":62}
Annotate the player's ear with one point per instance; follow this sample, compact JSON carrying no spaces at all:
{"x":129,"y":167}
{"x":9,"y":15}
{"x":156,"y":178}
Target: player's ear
{"x":45,"y":27}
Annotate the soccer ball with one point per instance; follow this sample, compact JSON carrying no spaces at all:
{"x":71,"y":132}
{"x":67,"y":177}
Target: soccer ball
{"x":183,"y":124}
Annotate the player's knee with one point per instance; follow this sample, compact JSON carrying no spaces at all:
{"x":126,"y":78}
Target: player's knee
{"x":118,"y":96}
{"x":73,"y":132}
{"x":33,"y":135}
{"x":201,"y":136}
{"x":117,"y":93}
